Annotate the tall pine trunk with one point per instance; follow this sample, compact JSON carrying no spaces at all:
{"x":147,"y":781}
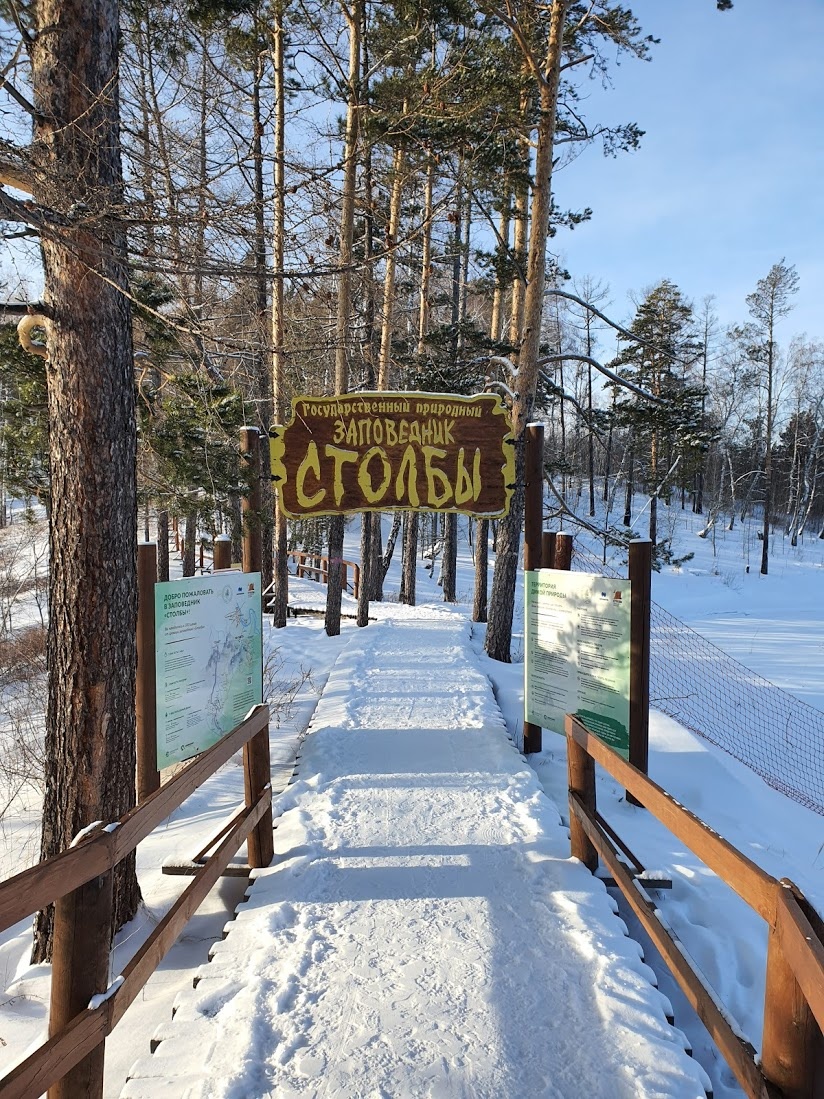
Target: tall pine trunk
{"x":90,"y":724}
{"x":280,"y":579}
{"x":262,"y":377}
{"x":344,"y":307}
{"x":479,"y":606}
{"x":410,"y":558}
{"x":162,"y":546}
{"x":502,"y":602}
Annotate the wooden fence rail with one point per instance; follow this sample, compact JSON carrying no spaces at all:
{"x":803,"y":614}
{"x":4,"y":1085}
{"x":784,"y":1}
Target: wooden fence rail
{"x":792,"y":1050}
{"x":72,"y":1045}
{"x":317,"y":565}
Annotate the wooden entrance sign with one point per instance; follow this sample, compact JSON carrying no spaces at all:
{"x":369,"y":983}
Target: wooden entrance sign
{"x":395,"y":451}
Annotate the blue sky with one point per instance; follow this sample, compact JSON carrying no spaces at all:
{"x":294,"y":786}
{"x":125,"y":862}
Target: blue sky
{"x":728,"y":179}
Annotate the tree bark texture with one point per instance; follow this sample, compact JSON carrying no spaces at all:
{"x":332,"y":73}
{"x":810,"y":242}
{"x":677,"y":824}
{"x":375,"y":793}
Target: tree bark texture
{"x":263,"y":376}
{"x":499,"y":629}
{"x":344,"y":306}
{"x":333,"y":578}
{"x":450,"y":558}
{"x":505,"y":573}
{"x":90,"y":725}
{"x":366,"y":567}
{"x":189,"y":543}
{"x":280,"y":576}
{"x":409,"y":564}
{"x":479,"y":606}
{"x":162,"y":546}
{"x":375,"y":571}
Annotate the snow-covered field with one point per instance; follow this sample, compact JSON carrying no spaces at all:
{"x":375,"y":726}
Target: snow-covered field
{"x":772,"y":625}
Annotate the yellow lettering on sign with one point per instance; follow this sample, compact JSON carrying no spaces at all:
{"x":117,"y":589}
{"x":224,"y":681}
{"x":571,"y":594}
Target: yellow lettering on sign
{"x":364,"y":479}
{"x":409,"y":466}
{"x":467,"y":487}
{"x":351,"y":434}
{"x":339,"y":432}
{"x":339,"y":457}
{"x":391,"y":433}
{"x":415,"y":432}
{"x":403,"y":432}
{"x":364,"y":432}
{"x":310,"y":464}
{"x":434,"y":474}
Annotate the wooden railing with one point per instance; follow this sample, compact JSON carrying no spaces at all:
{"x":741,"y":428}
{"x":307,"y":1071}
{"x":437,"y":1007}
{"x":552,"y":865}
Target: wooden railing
{"x":792,"y":1050}
{"x":78,"y":882}
{"x":314,"y":564}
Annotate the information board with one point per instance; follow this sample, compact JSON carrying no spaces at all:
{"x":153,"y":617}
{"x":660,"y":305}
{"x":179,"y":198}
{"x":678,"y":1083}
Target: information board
{"x":577,"y":653}
{"x":209,"y":660}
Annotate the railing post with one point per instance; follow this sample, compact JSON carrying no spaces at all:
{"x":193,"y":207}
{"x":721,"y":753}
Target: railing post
{"x":533,"y":523}
{"x":562,"y":557}
{"x":344,"y":576}
{"x":356,"y":580}
{"x":250,"y":450}
{"x":581,"y":781}
{"x":148,"y":777}
{"x":791,"y":1047}
{"x":80,"y":970}
{"x":640,"y":578}
{"x":548,"y":549}
{"x":256,"y":777}
{"x":222,"y":557}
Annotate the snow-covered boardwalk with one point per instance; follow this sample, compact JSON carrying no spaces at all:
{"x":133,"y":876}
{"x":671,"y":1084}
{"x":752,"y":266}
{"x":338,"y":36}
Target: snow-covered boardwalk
{"x":422,"y":930}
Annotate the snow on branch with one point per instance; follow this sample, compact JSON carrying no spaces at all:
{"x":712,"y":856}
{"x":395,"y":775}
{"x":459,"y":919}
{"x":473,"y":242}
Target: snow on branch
{"x":556,"y":391}
{"x":605,"y":370}
{"x":625,"y":332}
{"x":609,"y":534}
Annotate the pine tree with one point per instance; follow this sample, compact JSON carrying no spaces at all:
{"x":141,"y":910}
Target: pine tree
{"x":659,"y":360}
{"x":768,"y":303}
{"x":73,"y":172}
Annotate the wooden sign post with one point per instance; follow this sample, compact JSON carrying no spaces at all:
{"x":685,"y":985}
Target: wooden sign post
{"x":80,"y":970}
{"x":222,"y":558}
{"x":257,"y":772}
{"x":640,"y":578}
{"x":250,"y":450}
{"x":148,"y":777}
{"x":533,"y":525}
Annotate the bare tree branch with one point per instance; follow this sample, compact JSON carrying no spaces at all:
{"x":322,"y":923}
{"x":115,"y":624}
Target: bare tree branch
{"x":606,"y":372}
{"x":17,"y":96}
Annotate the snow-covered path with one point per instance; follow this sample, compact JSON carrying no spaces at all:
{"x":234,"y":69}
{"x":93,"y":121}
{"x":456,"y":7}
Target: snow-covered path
{"x":422,"y":930}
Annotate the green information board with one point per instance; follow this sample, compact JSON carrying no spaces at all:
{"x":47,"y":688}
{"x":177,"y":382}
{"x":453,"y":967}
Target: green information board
{"x":577,"y":653}
{"x":209,"y":660}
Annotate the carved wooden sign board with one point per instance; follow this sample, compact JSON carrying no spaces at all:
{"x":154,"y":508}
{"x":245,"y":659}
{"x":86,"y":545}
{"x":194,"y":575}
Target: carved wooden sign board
{"x":391,"y":451}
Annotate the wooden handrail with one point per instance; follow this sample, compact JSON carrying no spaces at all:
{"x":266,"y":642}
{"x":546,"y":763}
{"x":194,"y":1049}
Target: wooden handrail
{"x":792,"y":1051}
{"x":322,"y":569}
{"x":88,"y":1029}
{"x":738,"y":1053}
{"x":801,"y":944}
{"x":750,"y":882}
{"x":35,"y":888}
{"x":77,"y":1037}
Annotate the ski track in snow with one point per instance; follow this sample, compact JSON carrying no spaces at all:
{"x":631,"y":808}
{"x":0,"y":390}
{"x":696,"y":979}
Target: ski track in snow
{"x":422,"y":930}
